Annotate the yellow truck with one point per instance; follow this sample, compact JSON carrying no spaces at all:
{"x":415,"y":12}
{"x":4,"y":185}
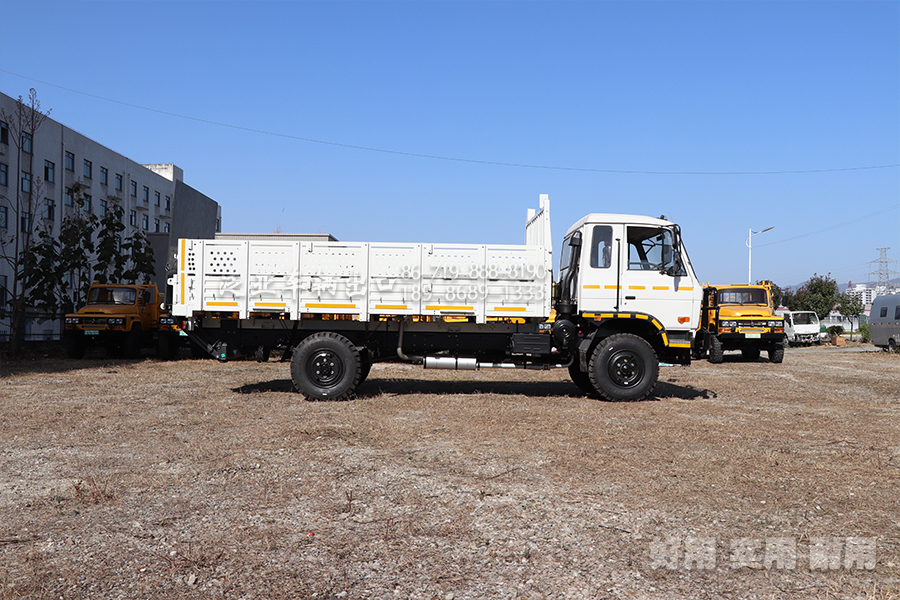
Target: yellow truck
{"x":123,"y":318}
{"x":739,"y":317}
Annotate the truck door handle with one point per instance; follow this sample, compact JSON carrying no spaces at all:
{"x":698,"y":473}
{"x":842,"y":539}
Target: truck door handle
{"x":629,"y":297}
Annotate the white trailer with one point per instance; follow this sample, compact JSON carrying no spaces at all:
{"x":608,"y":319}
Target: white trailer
{"x":336,"y":307}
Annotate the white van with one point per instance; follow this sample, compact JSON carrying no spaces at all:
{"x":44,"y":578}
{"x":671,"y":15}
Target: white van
{"x":884,"y":322}
{"x":801,"y":327}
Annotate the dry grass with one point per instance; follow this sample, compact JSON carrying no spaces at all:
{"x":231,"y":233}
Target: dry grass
{"x":194,"y":479}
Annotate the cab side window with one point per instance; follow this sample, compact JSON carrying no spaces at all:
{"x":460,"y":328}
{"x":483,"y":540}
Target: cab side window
{"x":601,"y":247}
{"x":884,"y":311}
{"x":897,"y":312}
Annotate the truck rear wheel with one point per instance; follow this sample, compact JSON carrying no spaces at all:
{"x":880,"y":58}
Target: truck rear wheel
{"x":624,"y":367}
{"x":326,"y":366}
{"x":716,"y":352}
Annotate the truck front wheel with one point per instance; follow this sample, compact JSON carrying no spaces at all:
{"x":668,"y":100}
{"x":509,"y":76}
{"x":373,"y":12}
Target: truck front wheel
{"x":776,"y":353}
{"x":624,"y":367}
{"x":131,"y":345}
{"x":326,"y":366}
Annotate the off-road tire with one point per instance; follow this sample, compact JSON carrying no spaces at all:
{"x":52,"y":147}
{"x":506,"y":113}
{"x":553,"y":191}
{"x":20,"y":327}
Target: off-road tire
{"x":716,"y":352}
{"x":326,"y":366}
{"x":750,"y":354}
{"x":623,"y":367}
{"x":262,"y":353}
{"x":776,"y":353}
{"x":892,"y":346}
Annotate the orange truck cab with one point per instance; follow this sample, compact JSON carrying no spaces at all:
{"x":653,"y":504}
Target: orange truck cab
{"x":124,"y":318}
{"x":739,"y":317}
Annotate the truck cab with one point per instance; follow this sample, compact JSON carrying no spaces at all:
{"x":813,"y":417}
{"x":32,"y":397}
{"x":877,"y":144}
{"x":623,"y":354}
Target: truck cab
{"x":626,"y":278}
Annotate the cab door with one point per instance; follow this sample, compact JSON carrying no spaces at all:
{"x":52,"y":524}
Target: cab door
{"x":598,"y":281}
{"x":656,"y":277}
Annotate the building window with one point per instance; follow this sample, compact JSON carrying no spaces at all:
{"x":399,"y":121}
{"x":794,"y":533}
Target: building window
{"x":146,"y":195}
{"x":88,"y":206}
{"x":168,"y":203}
{"x":165,"y":228}
{"x":132,"y":217}
{"x":156,"y":225}
{"x":156,"y":198}
{"x":104,"y":176}
{"x":4,"y":217}
{"x":49,"y":209}
{"x":119,"y":181}
{"x":145,"y":222}
{"x":134,"y":189}
{"x":88,"y":169}
{"x":4,"y":132}
{"x":26,"y":222}
{"x":26,"y":182}
{"x":4,"y":174}
{"x":104,"y":208}
{"x":26,"y":142}
{"x":3,"y":295}
{"x":218,"y":225}
{"x":70,"y":197}
{"x":70,"y":161}
{"x":49,"y":171}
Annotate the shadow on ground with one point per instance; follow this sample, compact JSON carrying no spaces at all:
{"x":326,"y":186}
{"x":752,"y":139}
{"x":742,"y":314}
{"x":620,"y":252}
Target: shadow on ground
{"x":551,"y":389}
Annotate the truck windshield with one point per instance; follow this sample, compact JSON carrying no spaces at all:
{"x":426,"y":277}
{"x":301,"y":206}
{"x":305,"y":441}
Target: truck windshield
{"x":112,"y":295}
{"x":735,"y":296}
{"x":805,"y":318}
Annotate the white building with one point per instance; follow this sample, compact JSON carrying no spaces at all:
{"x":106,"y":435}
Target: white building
{"x":864,"y":293}
{"x":36,"y":175}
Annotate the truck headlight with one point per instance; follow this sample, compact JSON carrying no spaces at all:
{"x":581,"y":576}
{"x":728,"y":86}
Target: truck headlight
{"x":117,"y":321}
{"x":774,"y":324}
{"x":729,"y":324}
{"x":71,"y":320}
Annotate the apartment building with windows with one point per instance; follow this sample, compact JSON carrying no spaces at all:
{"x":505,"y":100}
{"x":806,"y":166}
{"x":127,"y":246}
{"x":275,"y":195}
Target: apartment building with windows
{"x":37,"y":173}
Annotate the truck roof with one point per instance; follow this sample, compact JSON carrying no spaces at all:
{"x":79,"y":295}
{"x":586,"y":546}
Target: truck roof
{"x":615,"y":219}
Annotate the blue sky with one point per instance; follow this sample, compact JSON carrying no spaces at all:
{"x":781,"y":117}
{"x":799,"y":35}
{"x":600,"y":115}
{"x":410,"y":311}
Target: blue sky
{"x":620,"y":98}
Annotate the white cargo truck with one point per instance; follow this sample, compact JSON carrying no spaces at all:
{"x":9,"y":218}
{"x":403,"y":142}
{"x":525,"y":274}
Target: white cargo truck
{"x":627,"y":298}
{"x":801,"y":327}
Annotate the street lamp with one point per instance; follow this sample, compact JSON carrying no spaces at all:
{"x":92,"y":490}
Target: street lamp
{"x":750,"y":252}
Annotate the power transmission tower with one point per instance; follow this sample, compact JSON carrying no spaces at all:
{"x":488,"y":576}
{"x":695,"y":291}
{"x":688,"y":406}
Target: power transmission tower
{"x":883,"y":272}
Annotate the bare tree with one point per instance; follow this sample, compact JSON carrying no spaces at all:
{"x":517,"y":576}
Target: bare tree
{"x":24,"y":123}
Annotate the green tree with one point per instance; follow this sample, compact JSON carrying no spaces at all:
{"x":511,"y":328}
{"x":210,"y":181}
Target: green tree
{"x":850,"y":306}
{"x":819,"y":295}
{"x":111,"y":260}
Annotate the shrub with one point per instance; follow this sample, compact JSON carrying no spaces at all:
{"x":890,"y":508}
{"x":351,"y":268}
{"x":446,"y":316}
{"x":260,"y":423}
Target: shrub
{"x":864,"y":332}
{"x":835,"y":330}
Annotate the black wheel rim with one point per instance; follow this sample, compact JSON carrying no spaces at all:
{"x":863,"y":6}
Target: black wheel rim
{"x":325,"y":368}
{"x":625,"y":368}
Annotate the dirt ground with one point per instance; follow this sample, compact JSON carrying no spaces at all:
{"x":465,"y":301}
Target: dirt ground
{"x":195,"y":479}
